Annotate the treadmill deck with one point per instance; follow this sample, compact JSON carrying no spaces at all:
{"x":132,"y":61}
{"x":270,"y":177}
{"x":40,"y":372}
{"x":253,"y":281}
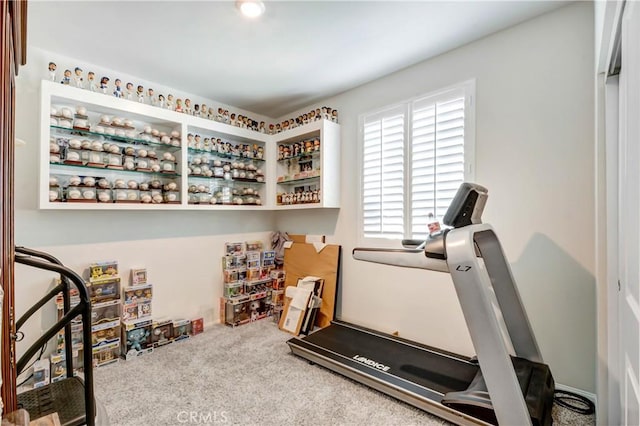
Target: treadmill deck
{"x":414,"y":373}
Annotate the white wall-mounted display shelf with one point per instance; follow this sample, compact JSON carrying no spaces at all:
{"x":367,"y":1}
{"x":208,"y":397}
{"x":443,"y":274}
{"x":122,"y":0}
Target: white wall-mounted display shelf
{"x":102,"y":152}
{"x":307,"y":167}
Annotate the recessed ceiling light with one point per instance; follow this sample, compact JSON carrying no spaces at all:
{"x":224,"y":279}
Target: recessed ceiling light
{"x":250,"y":8}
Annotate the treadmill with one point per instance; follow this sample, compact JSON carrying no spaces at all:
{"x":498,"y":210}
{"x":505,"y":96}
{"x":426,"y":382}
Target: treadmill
{"x":507,"y":383}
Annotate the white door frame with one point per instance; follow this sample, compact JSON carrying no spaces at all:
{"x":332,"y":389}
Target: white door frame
{"x":608,"y":23}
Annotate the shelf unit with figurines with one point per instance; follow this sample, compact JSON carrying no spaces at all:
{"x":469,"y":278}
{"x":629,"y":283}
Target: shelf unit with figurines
{"x":106,"y":154}
{"x":102,"y":152}
{"x":307,"y":167}
{"x":224,"y":166}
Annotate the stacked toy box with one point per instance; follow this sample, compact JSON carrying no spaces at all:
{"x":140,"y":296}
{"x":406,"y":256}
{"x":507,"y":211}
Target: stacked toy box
{"x":136,"y":316}
{"x":104,"y":291}
{"x":248,"y":283}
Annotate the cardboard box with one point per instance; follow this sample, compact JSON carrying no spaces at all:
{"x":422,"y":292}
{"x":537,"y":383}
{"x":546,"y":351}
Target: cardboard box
{"x":197,"y":326}
{"x":41,"y":373}
{"x":301,"y":260}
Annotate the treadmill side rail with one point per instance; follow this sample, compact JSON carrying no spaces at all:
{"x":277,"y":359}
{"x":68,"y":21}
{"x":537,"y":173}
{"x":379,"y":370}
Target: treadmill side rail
{"x":407,"y":258}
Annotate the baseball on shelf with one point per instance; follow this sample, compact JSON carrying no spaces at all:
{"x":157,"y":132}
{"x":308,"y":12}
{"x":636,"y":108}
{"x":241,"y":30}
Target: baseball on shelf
{"x":74,"y":194}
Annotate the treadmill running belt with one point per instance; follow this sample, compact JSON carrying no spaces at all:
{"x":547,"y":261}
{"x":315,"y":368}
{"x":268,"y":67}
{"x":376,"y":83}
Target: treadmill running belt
{"x":427,"y":368}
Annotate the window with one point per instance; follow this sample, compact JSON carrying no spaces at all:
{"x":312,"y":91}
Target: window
{"x":414,"y":156}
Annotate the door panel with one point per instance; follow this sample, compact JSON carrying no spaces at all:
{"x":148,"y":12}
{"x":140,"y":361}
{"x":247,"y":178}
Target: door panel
{"x":629,"y":208}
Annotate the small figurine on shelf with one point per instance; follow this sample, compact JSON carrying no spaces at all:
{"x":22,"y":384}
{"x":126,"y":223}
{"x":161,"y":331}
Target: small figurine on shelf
{"x":225,"y":116}
{"x":211,"y":114}
{"x":117,"y":91}
{"x":232,"y":119}
{"x":196,"y":110}
{"x":187,"y":107}
{"x":140,"y":94}
{"x":91,"y":80}
{"x":150,"y":96}
{"x":160,"y":103}
{"x":170,"y":102}
{"x":271,"y":129}
{"x":52,"y":71}
{"x":278,"y":128}
{"x":204,"y":112}
{"x":334,"y":115}
{"x":130,"y":91}
{"x":67,"y":77}
{"x":178,"y":105}
{"x":262,"y":129}
{"x":104,"y":84}
{"x":77,"y":78}
{"x":220,"y":115}
{"x":190,"y":141}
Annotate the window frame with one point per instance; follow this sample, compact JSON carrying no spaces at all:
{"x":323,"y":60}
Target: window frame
{"x":468,"y":88}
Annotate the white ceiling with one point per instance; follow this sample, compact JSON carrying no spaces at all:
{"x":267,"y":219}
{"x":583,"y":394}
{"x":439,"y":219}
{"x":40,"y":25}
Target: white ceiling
{"x":298,"y":52}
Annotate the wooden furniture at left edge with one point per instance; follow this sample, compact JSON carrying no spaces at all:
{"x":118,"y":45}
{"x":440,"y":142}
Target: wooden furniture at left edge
{"x":14,"y":54}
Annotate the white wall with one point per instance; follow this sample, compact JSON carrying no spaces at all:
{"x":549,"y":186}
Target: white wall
{"x":180,"y":249}
{"x":534,"y":152}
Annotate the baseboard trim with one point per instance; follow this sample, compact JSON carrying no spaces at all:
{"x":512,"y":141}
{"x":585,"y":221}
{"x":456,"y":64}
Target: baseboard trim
{"x":590,"y":396}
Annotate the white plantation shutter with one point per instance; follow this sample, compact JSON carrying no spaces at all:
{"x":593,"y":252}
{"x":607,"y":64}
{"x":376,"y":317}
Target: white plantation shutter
{"x":383,"y":174}
{"x":437,"y":157}
{"x":415,"y":156}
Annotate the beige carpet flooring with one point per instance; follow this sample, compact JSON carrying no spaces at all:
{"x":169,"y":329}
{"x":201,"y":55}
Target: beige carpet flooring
{"x":247,"y":376}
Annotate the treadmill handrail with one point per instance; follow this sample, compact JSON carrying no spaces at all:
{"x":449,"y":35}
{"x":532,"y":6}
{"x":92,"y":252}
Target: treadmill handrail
{"x":406,"y":258}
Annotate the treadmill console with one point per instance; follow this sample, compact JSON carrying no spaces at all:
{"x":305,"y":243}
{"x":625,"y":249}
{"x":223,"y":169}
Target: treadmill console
{"x":467,"y":206}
